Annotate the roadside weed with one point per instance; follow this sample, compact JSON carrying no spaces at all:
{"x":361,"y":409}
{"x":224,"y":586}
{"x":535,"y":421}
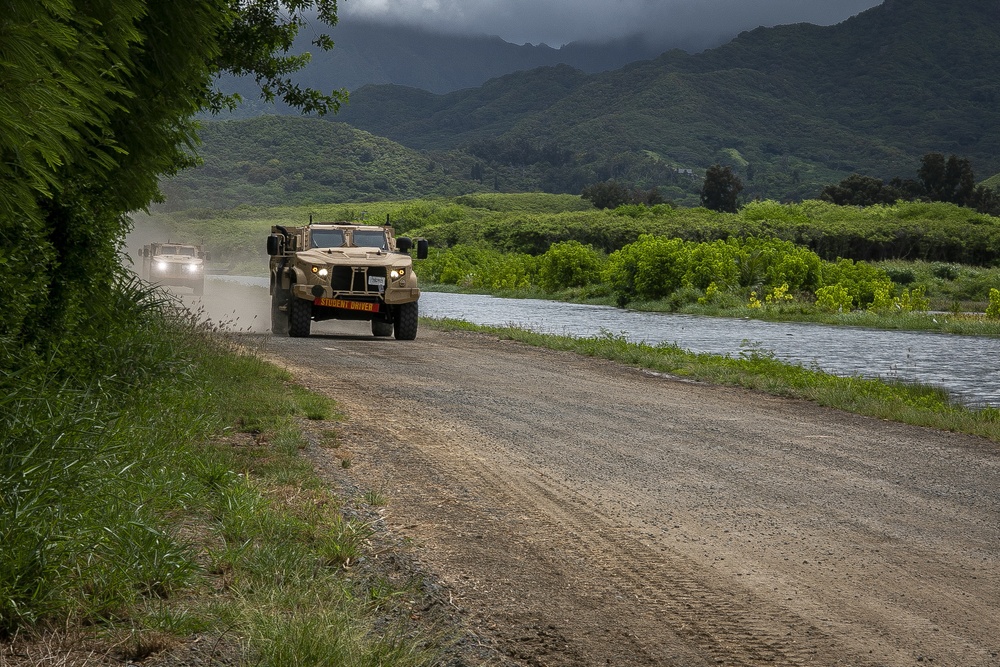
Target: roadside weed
{"x":376,"y":498}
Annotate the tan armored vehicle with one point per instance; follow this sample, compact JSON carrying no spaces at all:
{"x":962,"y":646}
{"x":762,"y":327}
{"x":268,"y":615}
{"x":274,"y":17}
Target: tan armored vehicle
{"x":174,"y":264}
{"x":346,"y":271}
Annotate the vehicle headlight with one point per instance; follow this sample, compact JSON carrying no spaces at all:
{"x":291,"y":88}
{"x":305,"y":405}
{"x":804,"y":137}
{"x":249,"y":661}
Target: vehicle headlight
{"x":162,"y":266}
{"x":396,"y":274}
{"x":193,"y":268}
{"x":322,"y":273}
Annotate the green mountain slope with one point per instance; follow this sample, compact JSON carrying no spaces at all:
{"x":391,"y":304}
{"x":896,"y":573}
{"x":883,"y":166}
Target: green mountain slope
{"x":273,"y":160}
{"x":791,"y":108}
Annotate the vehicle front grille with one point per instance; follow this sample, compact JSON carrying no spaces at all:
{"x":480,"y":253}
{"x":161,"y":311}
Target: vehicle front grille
{"x":355,"y":279}
{"x":174,"y":271}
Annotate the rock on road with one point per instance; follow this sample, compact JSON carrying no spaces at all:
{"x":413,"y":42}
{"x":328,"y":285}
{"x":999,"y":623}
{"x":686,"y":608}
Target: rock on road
{"x":586,"y":513}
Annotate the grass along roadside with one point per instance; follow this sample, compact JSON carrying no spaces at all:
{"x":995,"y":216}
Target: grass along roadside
{"x":757,"y":370}
{"x":173,"y":512}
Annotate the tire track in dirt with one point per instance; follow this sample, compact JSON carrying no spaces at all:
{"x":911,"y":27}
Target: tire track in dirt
{"x":547,"y":561}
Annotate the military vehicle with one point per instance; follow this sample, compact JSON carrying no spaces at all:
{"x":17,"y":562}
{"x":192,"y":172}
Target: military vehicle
{"x":345,"y":271}
{"x":174,"y":264}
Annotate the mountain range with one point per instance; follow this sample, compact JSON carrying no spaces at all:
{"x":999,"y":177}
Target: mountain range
{"x":367,"y":53}
{"x":790,"y":108}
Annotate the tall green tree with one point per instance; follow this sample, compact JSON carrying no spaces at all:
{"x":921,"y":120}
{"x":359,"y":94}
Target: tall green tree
{"x":858,"y":190}
{"x":721,"y":189}
{"x":98,"y":99}
{"x":950,"y":180}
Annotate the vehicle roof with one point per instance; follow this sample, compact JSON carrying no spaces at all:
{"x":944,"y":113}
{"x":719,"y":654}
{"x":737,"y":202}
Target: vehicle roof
{"x":346,"y":225}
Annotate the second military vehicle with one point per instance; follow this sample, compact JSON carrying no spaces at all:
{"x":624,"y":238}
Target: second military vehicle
{"x":174,"y":264}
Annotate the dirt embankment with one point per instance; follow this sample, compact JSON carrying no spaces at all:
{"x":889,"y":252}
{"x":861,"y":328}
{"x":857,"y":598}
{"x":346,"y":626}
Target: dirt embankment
{"x":582,"y":513}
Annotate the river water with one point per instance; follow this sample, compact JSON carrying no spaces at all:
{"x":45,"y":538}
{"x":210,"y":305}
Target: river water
{"x":968,"y":367}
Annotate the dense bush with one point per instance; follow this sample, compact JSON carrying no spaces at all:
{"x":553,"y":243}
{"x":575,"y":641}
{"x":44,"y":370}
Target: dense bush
{"x":83,"y":532}
{"x":654,"y":267}
{"x":569,"y":264}
{"x":911,"y":230}
{"x":479,"y":268}
{"x":770,"y":271}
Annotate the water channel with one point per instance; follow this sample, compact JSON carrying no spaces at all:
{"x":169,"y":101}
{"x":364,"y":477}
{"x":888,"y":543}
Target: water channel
{"x":968,"y":367}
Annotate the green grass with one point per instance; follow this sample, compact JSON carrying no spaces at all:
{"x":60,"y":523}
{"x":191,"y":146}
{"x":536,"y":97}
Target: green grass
{"x":902,"y":402}
{"x":168,"y":496}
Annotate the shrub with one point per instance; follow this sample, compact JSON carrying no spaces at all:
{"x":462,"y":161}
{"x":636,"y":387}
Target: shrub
{"x":993,"y":310}
{"x":858,"y":278}
{"x":901,"y":276}
{"x":945,"y":271}
{"x":834,"y":298}
{"x":569,"y":264}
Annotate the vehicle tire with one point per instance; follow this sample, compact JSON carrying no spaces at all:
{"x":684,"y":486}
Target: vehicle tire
{"x":381,"y":329}
{"x":199,"y":289}
{"x":406,"y":321}
{"x":299,"y":317}
{"x":279,"y":318}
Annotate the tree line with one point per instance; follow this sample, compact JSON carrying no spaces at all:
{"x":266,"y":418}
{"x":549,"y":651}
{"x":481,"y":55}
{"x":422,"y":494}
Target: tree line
{"x":941,"y":179}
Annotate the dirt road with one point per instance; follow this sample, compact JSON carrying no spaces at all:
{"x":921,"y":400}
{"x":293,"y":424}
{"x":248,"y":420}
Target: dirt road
{"x":583,"y":513}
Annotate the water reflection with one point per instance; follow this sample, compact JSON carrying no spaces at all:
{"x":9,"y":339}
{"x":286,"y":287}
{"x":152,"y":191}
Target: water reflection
{"x":964,"y":365}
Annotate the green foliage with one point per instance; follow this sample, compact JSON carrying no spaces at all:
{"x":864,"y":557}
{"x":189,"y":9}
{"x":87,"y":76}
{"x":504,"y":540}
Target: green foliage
{"x":834,"y":298}
{"x":864,"y":283}
{"x":569,"y":264}
{"x":993,"y":310}
{"x":99,"y":100}
{"x":479,"y":268}
{"x":82,"y":524}
{"x":858,"y":190}
{"x":654,"y":267}
{"x":721,"y":189}
{"x":276,"y":160}
{"x":612,"y":194}
{"x":106,"y":393}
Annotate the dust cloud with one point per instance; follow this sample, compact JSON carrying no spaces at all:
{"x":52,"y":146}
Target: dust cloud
{"x":232,"y":306}
{"x":230,"y":303}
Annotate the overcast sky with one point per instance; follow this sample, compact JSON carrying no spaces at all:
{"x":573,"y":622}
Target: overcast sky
{"x":556,"y":22}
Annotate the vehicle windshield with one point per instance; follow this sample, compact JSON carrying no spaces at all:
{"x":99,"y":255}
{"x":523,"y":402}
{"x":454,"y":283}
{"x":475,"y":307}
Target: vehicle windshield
{"x":175,"y":250}
{"x":370,"y":238}
{"x":327,"y":238}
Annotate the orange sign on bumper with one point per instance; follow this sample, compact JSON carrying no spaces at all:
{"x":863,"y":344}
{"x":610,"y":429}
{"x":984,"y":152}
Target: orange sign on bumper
{"x":365,"y":306}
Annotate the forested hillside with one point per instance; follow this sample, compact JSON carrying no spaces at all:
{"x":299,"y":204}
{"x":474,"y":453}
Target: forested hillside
{"x":287,"y":159}
{"x":791,"y":108}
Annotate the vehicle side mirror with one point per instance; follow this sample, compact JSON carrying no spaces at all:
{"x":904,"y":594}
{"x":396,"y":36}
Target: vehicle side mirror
{"x":422,"y":246}
{"x":273,"y":245}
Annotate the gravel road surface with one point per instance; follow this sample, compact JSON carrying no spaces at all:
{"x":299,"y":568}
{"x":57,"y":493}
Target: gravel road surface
{"x":580,"y":512}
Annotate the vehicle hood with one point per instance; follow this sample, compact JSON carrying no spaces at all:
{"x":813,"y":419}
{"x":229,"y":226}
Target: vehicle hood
{"x":352,"y":257}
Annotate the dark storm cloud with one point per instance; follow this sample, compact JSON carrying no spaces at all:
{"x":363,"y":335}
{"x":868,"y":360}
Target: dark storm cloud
{"x":557,"y":22}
